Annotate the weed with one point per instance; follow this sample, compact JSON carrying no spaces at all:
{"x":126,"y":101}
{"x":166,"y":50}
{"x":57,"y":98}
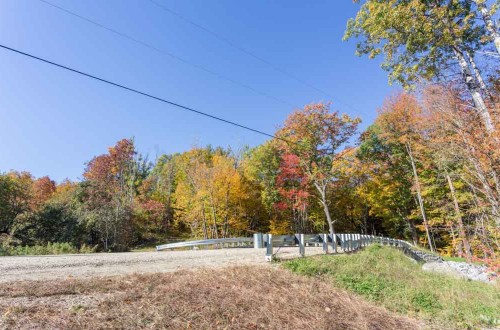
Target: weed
{"x":387,"y":276}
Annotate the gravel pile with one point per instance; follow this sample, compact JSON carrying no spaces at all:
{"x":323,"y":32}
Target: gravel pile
{"x":461,"y":270}
{"x":470,"y":271}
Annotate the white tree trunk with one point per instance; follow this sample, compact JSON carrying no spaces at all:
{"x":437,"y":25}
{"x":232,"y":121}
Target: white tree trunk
{"x":488,"y":22}
{"x":321,"y":187}
{"x":477,"y":74}
{"x":475,"y":90}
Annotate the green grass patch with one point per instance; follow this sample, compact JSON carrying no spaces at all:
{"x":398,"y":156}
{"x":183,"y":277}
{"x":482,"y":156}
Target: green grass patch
{"x":386,"y":276}
{"x":50,"y":248}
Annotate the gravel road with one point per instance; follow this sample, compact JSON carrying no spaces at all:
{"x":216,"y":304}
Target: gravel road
{"x":20,"y":268}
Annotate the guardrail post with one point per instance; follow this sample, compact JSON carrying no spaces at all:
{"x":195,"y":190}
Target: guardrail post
{"x":302,"y":245}
{"x":334,"y":243}
{"x":258,"y":241}
{"x":269,"y":247}
{"x":324,"y":238}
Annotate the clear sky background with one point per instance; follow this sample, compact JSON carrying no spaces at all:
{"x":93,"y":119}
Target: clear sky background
{"x":53,"y":121}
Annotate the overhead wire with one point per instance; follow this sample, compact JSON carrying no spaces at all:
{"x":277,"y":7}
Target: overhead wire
{"x":109,"y":82}
{"x":203,"y":68}
{"x":167,"y":53}
{"x":251,"y":54}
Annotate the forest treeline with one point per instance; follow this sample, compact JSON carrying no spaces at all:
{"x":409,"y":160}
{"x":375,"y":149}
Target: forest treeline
{"x":427,"y":170}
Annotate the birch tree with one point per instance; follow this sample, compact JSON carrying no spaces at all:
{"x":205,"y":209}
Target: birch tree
{"x":421,"y":40}
{"x":486,"y":14}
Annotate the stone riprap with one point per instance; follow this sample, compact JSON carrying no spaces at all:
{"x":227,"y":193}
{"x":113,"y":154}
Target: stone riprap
{"x":461,"y":270}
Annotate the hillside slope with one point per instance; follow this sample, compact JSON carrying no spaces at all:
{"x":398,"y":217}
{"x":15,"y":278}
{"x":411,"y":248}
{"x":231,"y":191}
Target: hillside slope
{"x":233,"y":298}
{"x":387,"y":277}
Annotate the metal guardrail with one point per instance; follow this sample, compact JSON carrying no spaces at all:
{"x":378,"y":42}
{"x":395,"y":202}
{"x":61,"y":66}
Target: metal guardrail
{"x":207,"y":242}
{"x":344,"y":242}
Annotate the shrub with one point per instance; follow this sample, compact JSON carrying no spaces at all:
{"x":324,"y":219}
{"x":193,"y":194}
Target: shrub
{"x":50,"y":248}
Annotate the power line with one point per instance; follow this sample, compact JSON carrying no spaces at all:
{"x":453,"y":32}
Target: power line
{"x":166,"y":53}
{"x":144,"y":94}
{"x":251,"y":54}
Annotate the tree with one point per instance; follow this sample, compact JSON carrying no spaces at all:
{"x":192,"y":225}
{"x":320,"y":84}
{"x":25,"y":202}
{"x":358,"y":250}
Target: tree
{"x":315,"y":136}
{"x":112,"y":182}
{"x":399,"y":122}
{"x":43,"y":189}
{"x":421,"y":39}
{"x":488,"y":21}
{"x":389,"y":188}
{"x":15,"y":198}
{"x":293,"y":188}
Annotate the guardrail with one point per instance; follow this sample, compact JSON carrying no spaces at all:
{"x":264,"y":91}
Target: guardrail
{"x":343,"y":242}
{"x":237,"y":241}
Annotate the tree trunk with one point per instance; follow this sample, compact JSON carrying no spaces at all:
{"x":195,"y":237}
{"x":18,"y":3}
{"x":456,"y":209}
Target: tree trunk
{"x":413,"y":232}
{"x":205,"y":232}
{"x":477,"y":74}
{"x":419,"y":196}
{"x":488,"y":22}
{"x":322,"y":198}
{"x":458,"y":214}
{"x":474,"y":89}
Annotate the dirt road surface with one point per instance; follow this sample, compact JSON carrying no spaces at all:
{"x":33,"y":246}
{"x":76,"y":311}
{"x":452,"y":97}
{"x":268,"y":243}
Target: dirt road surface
{"x":20,"y":268}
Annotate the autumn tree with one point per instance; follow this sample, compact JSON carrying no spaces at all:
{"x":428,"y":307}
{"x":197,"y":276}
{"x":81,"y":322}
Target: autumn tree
{"x":399,"y":122}
{"x":112,"y":182}
{"x":43,"y":189}
{"x":389,"y":188}
{"x":293,"y":189}
{"x":315,"y":136}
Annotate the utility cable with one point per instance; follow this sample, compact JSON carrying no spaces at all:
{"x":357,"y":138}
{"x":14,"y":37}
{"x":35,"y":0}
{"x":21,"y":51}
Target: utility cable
{"x":251,"y":54}
{"x":167,"y":53}
{"x":144,"y":94}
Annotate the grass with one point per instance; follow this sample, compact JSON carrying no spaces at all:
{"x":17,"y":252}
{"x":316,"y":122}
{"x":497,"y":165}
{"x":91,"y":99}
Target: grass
{"x":50,"y":248}
{"x":386,"y":276}
{"x":259,"y":297}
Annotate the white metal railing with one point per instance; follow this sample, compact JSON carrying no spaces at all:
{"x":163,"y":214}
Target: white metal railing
{"x":343,"y":242}
{"x":236,"y":241}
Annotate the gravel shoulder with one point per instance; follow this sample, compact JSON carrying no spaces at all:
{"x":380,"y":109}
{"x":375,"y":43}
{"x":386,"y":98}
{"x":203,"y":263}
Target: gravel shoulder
{"x":27,"y":268}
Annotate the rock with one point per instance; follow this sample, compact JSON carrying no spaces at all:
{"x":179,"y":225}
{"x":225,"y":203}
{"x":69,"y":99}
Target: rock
{"x":442,"y":268}
{"x":460,"y":270}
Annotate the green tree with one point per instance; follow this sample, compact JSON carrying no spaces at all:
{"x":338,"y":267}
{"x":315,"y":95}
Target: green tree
{"x":421,"y":39}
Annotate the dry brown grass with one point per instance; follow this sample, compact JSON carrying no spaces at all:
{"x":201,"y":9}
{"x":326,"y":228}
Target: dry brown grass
{"x":234,"y":298}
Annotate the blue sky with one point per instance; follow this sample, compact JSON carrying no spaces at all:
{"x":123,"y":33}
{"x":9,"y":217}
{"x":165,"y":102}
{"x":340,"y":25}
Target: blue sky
{"x":53,"y":121}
